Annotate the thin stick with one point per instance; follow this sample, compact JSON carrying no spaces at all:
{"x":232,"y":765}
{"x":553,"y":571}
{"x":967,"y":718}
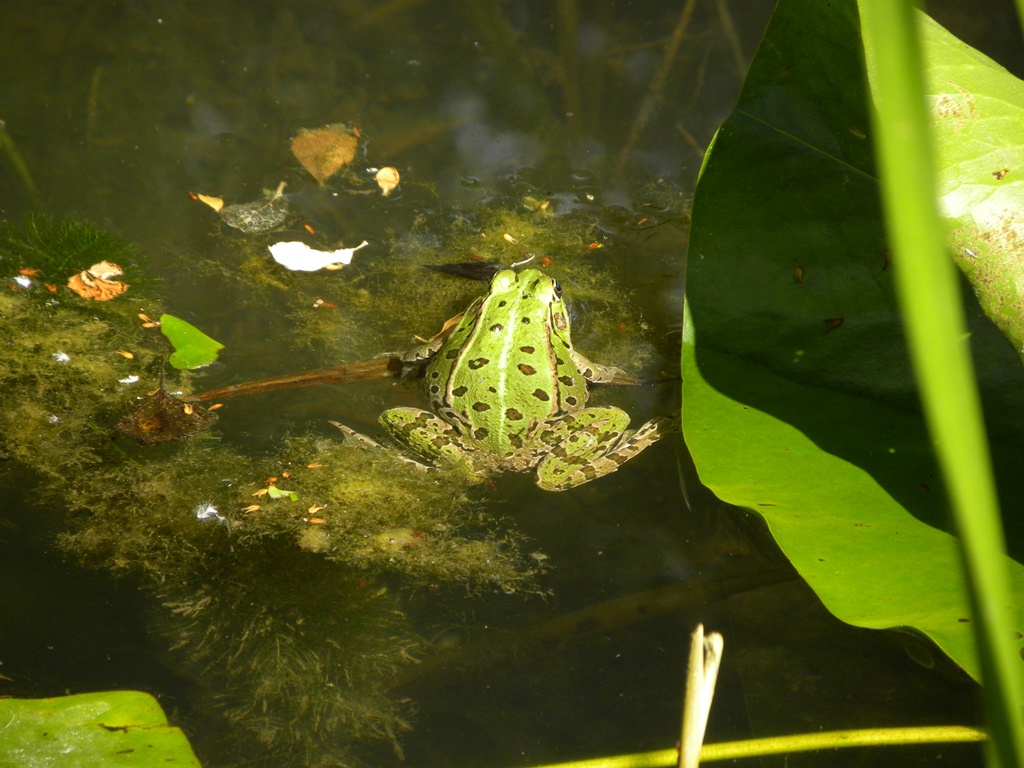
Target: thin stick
{"x":734,"y":41}
{"x":568,"y":50}
{"x":21,"y":168}
{"x":654,"y":90}
{"x":705,"y":656}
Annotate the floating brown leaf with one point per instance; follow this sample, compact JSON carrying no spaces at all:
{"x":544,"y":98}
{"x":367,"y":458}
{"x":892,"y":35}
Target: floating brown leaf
{"x":96,"y":283}
{"x":325,"y":151}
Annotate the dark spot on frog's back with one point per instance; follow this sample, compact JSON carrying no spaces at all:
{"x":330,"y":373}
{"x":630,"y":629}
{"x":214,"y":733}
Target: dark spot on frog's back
{"x":526,"y":321}
{"x":480,"y":433}
{"x":451,"y":354}
{"x":481,"y":407}
{"x":527,"y":370}
{"x":569,"y":381}
{"x":496,"y":328}
{"x":527,"y":350}
{"x":459,"y":391}
{"x":541,"y":395}
{"x":478,"y":363}
{"x":571,"y":401}
{"x":513,"y":415}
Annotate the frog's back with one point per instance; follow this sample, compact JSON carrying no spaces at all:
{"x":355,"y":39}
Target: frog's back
{"x":506,"y":367}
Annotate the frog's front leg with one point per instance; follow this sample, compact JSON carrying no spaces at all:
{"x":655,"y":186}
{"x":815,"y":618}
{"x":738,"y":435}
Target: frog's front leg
{"x":426,"y":435}
{"x":593,"y":443}
{"x":595,"y":373}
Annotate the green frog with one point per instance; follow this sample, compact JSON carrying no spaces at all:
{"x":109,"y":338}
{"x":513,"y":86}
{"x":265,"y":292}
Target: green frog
{"x":508,"y":392}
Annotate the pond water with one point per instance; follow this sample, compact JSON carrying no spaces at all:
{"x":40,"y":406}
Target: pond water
{"x":566,"y":126}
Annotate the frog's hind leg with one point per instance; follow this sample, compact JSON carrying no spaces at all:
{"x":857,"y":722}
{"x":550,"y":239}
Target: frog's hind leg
{"x":368,"y":442}
{"x":428,"y":436}
{"x":595,"y":443}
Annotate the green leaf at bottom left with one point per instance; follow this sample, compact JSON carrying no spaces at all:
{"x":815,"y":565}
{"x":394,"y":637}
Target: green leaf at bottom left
{"x":91,"y":729}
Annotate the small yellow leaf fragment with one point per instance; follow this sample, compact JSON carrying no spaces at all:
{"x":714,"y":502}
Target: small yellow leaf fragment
{"x":125,"y":354}
{"x":144,"y":317}
{"x":509,"y":239}
{"x":314,"y":509}
{"x":251,"y":508}
{"x":313,"y":465}
{"x":188,"y":409}
{"x":261,"y":492}
{"x":317,"y":520}
{"x":214,"y":202}
{"x":387,"y":179}
{"x":215,"y":406}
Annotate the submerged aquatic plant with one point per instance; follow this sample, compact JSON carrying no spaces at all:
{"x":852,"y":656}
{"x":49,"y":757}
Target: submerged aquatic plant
{"x":286,"y":605}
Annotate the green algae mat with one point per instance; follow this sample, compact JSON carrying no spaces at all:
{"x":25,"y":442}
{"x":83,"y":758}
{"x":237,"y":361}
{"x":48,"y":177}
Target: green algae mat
{"x":90,"y":729}
{"x":800,"y":402}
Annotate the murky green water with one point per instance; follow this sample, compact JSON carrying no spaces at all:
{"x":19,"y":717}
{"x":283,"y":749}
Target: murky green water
{"x":501,"y":117}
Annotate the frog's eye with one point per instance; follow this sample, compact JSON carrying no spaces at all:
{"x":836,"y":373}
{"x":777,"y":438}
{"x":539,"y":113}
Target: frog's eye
{"x":558,"y":287}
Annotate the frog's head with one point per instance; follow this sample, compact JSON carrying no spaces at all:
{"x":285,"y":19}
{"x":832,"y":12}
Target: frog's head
{"x":528,"y":284}
{"x":529,"y":292}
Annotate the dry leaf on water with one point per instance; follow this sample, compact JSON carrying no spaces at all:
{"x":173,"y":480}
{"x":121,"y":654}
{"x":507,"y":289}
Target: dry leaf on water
{"x":96,"y":283}
{"x":260,"y":215}
{"x":325,"y":151}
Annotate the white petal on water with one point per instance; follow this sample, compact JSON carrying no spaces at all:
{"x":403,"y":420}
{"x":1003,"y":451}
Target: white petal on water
{"x":61,"y":357}
{"x":128,"y":379}
{"x":298,"y":256}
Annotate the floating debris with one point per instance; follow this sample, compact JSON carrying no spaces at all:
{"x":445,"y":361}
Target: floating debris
{"x":261,"y":215}
{"x":298,"y":256}
{"x":325,"y":151}
{"x":164,"y":418}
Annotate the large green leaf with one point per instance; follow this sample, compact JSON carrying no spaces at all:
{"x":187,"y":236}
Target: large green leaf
{"x":978,"y":109}
{"x":90,"y":729}
{"x":799,"y":398}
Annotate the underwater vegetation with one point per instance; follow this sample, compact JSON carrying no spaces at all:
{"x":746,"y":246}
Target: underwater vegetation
{"x":284,"y":575}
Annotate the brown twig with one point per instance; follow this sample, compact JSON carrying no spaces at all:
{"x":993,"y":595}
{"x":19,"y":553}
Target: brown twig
{"x":688,"y":138}
{"x":389,"y":367}
{"x":654,"y":90}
